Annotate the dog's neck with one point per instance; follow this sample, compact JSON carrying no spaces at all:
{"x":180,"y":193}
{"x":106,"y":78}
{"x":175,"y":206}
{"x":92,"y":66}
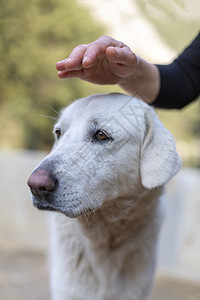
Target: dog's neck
{"x":120,"y":219}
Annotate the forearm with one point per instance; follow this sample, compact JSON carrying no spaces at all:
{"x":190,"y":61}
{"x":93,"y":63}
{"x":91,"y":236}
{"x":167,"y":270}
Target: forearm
{"x":180,"y":80}
{"x":168,"y":86}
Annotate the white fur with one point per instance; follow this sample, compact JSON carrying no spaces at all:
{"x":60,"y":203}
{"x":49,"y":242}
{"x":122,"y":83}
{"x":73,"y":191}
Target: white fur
{"x":110,"y":189}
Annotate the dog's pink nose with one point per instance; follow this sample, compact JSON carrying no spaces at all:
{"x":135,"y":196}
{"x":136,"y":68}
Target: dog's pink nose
{"x":41,"y":181}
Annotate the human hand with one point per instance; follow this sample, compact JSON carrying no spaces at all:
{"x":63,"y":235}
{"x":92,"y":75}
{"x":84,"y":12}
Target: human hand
{"x":104,"y":61}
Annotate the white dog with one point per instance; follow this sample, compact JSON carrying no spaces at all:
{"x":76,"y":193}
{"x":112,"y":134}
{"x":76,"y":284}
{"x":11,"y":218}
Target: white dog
{"x":106,"y":172}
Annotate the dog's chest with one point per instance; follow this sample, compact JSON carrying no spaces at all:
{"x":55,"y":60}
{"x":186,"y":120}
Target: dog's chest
{"x":80,"y":267}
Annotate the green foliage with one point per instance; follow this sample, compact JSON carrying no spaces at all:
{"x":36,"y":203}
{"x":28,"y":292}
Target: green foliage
{"x":34,"y":35}
{"x":177,"y":21}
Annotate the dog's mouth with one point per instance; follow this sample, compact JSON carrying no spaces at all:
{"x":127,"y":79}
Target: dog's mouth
{"x":43,"y":205}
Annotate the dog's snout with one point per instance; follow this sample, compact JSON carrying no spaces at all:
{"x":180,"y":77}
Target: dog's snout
{"x":41,"y":181}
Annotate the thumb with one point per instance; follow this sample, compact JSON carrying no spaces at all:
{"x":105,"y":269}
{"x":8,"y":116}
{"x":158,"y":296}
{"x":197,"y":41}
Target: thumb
{"x":122,"y":56}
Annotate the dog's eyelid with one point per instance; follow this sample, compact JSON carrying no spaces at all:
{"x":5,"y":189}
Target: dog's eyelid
{"x":102,"y":135}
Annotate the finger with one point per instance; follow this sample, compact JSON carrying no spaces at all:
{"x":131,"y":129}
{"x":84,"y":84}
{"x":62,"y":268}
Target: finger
{"x":121,"y":56}
{"x":97,"y":49}
{"x":74,"y":61}
{"x":92,"y":53}
{"x":70,"y":74}
{"x":69,"y":64}
{"x":60,"y":65}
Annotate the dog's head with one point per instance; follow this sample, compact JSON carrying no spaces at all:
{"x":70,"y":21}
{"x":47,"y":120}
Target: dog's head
{"x":106,"y":147}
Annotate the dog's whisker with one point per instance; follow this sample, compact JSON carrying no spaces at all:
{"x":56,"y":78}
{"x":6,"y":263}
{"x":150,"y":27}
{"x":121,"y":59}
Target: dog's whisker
{"x":44,"y":116}
{"x":18,"y":188}
{"x":117,"y":203}
{"x":53,"y":110}
{"x":21,"y":187}
{"x":92,"y":214}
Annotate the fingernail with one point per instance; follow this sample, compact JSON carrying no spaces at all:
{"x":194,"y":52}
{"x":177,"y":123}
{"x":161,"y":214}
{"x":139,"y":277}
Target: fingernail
{"x":85,"y":59}
{"x":62,"y":75}
{"x":117,"y":52}
{"x":67,"y":60}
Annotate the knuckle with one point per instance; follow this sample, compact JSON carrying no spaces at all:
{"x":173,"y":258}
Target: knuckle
{"x":80,"y":48}
{"x":104,"y":37}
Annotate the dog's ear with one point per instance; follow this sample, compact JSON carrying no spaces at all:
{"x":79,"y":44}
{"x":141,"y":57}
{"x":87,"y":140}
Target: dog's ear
{"x":159,"y":158}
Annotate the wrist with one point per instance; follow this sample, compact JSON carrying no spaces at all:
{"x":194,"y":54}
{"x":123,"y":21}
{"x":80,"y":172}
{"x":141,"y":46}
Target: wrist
{"x":144,"y":82}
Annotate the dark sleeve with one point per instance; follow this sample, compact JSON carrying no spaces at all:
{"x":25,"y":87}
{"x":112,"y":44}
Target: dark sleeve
{"x":180,"y":80}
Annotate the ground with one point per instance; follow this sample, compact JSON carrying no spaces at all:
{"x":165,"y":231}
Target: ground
{"x":24,"y":276}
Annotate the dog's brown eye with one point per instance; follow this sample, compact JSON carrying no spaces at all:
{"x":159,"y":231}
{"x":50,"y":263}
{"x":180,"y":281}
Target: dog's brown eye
{"x":58,"y":133}
{"x":101,"y":136}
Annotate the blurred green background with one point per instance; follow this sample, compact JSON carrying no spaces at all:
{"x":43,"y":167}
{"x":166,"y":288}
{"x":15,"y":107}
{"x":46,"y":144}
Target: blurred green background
{"x":35,"y":34}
